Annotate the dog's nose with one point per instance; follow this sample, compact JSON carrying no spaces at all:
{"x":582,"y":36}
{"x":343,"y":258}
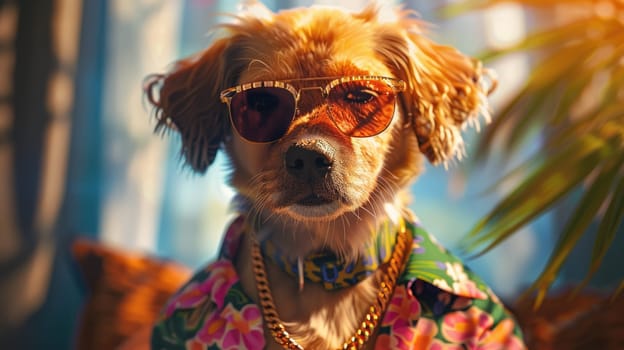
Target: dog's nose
{"x":308,"y":163}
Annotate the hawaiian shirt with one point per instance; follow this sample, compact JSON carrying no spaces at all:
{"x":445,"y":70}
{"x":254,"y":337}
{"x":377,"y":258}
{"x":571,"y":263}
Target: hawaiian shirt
{"x":438,"y":303}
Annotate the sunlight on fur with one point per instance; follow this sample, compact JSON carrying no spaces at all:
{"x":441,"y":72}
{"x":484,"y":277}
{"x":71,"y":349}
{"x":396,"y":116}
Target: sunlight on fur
{"x":279,"y":94}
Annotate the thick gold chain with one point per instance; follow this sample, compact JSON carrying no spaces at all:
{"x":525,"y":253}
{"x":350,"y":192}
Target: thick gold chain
{"x":371,"y":319}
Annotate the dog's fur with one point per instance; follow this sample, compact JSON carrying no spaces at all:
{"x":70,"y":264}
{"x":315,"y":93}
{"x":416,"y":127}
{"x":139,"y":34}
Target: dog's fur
{"x":369,"y":177}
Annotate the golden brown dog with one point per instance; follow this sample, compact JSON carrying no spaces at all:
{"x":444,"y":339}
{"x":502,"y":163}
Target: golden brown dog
{"x":325,"y":117}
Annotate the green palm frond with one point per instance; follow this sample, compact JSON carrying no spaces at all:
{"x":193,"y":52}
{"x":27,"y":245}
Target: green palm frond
{"x":575,"y":97}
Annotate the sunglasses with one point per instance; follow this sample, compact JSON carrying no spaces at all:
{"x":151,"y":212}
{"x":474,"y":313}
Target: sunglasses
{"x":359,"y":106}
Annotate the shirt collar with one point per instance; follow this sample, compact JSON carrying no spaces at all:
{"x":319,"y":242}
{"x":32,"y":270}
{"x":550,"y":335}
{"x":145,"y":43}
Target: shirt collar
{"x":428,"y":261}
{"x":432,"y":263}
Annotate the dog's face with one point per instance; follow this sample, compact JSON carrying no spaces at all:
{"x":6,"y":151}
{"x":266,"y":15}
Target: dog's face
{"x":314,"y":172}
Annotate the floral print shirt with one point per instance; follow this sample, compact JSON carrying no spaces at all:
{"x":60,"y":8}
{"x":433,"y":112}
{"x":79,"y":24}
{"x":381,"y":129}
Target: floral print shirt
{"x":438,"y":303}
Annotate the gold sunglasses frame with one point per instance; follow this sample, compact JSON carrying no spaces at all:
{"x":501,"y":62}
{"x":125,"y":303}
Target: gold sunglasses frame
{"x":226,"y":95}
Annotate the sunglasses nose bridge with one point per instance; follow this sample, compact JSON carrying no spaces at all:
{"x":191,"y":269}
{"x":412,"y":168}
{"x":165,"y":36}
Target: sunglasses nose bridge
{"x":307,"y":102}
{"x":311,"y":88}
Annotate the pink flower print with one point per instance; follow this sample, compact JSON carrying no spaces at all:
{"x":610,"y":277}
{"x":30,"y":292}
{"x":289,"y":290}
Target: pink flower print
{"x":439,"y":345}
{"x":402,"y":313}
{"x":466,"y":326}
{"x":402,"y":308}
{"x":233,"y":329}
{"x":426,"y":330}
{"x":189,"y":297}
{"x":501,"y":337}
{"x":222,"y":277}
{"x":469,"y":289}
{"x":243,"y":328}
{"x":212,"y":330}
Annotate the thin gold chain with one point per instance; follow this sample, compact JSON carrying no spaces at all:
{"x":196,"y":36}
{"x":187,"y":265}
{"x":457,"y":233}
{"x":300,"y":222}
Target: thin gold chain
{"x":371,"y":319}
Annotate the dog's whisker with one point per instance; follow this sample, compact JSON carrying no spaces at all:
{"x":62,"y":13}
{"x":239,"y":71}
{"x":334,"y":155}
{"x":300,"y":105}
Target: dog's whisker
{"x":369,"y":211}
{"x":357,"y":214}
{"x":334,"y":229}
{"x":328,"y":231}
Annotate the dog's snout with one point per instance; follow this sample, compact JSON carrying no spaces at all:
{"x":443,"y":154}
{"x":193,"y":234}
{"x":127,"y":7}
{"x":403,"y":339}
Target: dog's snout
{"x":308,"y":163}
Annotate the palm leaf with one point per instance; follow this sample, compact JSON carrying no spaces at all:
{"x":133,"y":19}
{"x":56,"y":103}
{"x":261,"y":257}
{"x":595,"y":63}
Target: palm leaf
{"x":586,"y":210}
{"x":528,"y":105}
{"x":551,"y":90}
{"x":608,"y":227}
{"x":610,"y":115}
{"x":574,"y":96}
{"x":541,"y":39}
{"x":538,"y":192}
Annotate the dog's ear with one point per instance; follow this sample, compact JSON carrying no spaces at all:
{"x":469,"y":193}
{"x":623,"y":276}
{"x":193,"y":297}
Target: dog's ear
{"x":445,"y":89}
{"x":186,"y":99}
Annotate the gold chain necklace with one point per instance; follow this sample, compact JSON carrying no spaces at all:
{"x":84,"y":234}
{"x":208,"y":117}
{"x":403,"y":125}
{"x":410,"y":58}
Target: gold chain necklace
{"x":371,"y":319}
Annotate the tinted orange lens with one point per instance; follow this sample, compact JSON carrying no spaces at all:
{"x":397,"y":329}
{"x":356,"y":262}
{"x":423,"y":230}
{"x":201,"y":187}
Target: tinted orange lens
{"x":262,"y":114}
{"x":362,"y":108}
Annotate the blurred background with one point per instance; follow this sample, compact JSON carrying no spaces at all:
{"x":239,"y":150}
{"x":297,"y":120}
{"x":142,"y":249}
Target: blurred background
{"x":78,"y":157}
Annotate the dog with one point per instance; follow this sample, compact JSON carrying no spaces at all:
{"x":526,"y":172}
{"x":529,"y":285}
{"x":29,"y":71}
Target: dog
{"x":326,"y":117}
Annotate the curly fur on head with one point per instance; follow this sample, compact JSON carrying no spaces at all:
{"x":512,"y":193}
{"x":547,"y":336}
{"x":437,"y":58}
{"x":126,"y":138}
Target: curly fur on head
{"x":445,"y":92}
